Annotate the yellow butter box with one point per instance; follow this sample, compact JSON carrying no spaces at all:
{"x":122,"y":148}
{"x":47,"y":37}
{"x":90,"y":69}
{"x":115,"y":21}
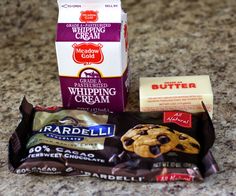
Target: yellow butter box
{"x":176,"y":93}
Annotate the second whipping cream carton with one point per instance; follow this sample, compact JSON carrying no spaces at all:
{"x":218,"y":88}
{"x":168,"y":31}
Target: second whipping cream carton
{"x":91,"y":46}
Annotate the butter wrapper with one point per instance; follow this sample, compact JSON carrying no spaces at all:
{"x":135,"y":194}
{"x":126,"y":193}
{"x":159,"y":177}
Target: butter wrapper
{"x":176,"y":93}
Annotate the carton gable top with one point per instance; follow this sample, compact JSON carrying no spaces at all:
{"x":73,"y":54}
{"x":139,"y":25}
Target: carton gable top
{"x":93,"y":11}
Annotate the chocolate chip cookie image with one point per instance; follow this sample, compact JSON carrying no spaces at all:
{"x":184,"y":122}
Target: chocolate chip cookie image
{"x":149,"y":140}
{"x":157,"y":142}
{"x":187,"y":144}
{"x":133,"y":134}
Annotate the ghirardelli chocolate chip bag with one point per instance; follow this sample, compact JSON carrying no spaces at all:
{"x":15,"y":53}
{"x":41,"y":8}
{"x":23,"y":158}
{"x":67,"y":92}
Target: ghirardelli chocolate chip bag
{"x":92,"y":46}
{"x":129,"y":146}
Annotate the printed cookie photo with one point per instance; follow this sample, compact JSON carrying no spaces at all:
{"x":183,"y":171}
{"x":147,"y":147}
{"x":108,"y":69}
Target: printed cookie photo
{"x":187,"y":144}
{"x":149,"y":140}
{"x":152,"y":141}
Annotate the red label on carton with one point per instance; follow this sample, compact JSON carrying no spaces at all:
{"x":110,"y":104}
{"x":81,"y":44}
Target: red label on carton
{"x":182,"y":119}
{"x":89,"y":16}
{"x":88,"y":53}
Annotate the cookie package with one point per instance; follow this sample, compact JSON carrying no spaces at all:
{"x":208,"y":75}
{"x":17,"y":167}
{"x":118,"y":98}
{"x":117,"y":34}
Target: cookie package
{"x":126,"y":146}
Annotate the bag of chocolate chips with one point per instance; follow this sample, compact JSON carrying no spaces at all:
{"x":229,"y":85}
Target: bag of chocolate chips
{"x":128,"y":146}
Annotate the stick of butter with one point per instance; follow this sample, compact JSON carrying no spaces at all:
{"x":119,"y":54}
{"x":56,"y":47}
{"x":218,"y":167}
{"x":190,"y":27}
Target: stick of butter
{"x":176,"y":93}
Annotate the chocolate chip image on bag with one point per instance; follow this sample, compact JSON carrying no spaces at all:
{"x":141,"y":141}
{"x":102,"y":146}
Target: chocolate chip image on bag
{"x":128,"y":146}
{"x":186,"y":144}
{"x":152,"y":141}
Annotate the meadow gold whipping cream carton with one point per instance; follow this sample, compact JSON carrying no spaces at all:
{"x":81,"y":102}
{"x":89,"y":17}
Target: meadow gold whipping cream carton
{"x":176,"y":93}
{"x":91,"y":46}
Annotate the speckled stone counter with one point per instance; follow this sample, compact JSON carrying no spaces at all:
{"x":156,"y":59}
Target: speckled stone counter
{"x":167,"y":38}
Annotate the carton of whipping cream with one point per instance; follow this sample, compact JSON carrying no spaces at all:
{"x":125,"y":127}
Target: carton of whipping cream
{"x":176,"y":93}
{"x":91,"y":46}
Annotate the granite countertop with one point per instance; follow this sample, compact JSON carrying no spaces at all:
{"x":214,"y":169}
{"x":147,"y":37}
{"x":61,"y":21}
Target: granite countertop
{"x":167,"y":38}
